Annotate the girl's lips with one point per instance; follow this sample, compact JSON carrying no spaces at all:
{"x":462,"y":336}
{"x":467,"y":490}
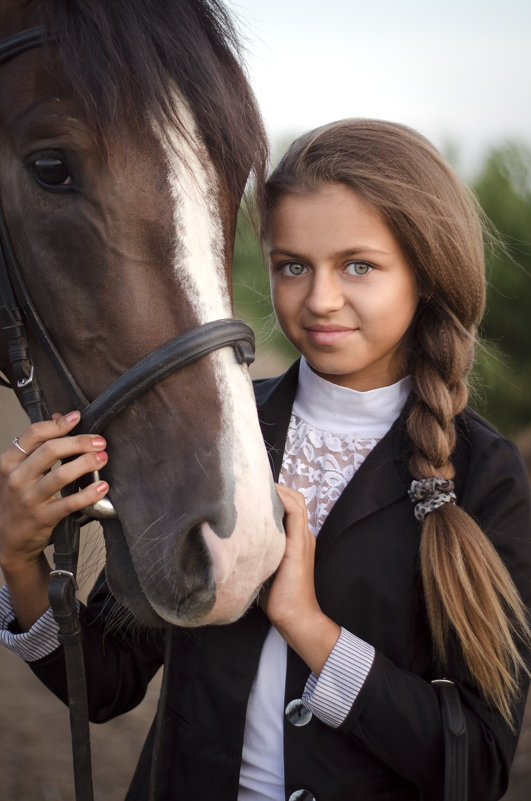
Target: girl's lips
{"x":328,"y":335}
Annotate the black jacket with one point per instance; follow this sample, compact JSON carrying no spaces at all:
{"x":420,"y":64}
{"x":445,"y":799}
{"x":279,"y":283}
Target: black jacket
{"x":367,"y":580}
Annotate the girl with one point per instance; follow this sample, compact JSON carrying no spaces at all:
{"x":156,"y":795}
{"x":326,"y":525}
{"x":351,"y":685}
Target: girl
{"x":408,"y":553}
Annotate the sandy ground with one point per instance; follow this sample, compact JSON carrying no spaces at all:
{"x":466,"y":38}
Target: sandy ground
{"x":35,"y":755}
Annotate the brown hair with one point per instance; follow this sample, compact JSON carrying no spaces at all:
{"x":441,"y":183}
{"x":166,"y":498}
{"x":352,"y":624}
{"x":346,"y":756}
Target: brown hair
{"x":439,"y":226}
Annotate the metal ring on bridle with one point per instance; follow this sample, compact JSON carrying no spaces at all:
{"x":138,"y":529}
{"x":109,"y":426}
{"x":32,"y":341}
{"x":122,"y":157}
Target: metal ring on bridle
{"x":17,"y":444}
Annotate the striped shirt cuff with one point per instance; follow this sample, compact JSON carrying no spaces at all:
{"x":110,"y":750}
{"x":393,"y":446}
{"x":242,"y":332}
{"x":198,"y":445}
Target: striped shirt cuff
{"x":40,"y":641}
{"x":331,"y":695}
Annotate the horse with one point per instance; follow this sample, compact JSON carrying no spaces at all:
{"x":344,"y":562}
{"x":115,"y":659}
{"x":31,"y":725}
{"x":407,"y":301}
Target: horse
{"x":128,"y":132}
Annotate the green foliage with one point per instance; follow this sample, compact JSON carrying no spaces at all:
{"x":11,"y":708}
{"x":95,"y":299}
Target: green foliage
{"x":252,"y":300}
{"x":502,"y":375}
{"x":503,"y":370}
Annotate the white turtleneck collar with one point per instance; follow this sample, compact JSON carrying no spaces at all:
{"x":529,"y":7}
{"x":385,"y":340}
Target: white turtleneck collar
{"x":329,"y":407}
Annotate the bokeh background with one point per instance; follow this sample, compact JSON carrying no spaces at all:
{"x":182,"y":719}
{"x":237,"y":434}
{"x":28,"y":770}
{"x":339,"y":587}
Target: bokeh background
{"x":458,"y":71}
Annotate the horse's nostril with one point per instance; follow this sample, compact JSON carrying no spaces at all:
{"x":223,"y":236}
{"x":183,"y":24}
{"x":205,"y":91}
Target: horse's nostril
{"x":193,"y":562}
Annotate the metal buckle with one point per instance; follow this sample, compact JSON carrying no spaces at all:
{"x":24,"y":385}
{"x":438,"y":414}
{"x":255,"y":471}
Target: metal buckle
{"x":23,"y":382}
{"x":65,"y":574}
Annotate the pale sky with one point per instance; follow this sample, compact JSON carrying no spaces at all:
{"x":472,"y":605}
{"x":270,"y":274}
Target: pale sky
{"x":458,"y":71}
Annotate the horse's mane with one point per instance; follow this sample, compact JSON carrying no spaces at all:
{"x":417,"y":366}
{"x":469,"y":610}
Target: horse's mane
{"x":120,"y":57}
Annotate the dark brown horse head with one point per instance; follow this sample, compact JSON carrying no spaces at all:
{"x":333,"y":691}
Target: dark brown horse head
{"x":126,"y":141}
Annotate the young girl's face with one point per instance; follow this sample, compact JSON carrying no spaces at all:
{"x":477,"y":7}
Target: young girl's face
{"x":342,"y":289}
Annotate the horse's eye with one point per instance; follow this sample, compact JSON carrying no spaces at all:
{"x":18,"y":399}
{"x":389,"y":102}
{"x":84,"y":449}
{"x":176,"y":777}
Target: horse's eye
{"x":51,"y":172}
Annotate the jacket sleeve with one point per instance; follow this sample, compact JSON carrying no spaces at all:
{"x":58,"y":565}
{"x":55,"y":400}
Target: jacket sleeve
{"x":397,"y":714}
{"x":120,"y":659}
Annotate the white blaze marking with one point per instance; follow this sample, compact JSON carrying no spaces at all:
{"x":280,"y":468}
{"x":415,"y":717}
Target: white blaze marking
{"x":256,"y":546}
{"x":199,"y":261}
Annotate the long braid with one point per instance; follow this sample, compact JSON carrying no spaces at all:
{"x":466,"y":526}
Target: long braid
{"x":468,"y":590}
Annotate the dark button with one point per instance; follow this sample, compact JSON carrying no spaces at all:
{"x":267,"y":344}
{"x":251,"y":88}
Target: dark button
{"x":297,"y":713}
{"x":302,"y":795}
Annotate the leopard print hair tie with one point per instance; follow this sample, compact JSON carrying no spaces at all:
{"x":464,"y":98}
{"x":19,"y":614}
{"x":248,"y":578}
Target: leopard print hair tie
{"x":429,"y":493}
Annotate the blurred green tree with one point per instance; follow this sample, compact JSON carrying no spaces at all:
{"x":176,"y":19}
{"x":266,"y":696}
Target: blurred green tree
{"x":503,"y":368}
{"x":252,"y":300}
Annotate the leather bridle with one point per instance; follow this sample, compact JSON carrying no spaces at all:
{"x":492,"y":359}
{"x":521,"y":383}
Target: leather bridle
{"x":17,"y":312}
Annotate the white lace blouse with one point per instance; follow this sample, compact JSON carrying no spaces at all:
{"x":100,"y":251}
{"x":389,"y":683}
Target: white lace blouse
{"x":332,"y":430}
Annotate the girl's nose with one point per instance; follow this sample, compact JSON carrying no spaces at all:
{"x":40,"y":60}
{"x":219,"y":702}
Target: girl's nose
{"x":325,"y":294}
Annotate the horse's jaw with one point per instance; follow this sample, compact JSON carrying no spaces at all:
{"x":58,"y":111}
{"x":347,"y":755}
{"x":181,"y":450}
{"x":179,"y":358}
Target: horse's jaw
{"x":126,"y":587}
{"x":122,"y":580}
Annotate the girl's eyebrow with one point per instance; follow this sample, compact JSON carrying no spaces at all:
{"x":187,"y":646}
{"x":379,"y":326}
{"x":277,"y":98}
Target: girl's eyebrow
{"x":283,"y":252}
{"x":342,"y":254}
{"x":360,"y":250}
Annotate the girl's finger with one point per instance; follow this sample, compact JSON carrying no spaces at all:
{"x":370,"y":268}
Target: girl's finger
{"x":64,"y":448}
{"x":58,"y":426}
{"x":69,"y":504}
{"x":293,"y":501}
{"x":48,"y":453}
{"x":20,"y":448}
{"x":296,"y":514}
{"x":37,"y":433}
{"x":67,"y":473}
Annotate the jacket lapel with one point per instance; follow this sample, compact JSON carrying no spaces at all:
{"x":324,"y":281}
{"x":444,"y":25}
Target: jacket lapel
{"x":274,"y":397}
{"x":382,"y":479}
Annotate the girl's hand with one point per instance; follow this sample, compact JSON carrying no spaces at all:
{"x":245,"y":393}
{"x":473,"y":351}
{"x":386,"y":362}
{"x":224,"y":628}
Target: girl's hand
{"x":30,"y":507}
{"x":290,"y":603}
{"x":29,"y":503}
{"x":292,"y":594}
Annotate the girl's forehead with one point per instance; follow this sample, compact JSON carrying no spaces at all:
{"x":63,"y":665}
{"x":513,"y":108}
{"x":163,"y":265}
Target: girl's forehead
{"x":331,"y":195}
{"x":331,"y":209}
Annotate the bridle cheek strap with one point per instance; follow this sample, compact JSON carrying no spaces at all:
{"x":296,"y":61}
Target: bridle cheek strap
{"x":12,"y":322}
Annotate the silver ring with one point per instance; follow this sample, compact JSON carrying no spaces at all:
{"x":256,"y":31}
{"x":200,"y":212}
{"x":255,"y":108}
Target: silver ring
{"x":17,"y":444}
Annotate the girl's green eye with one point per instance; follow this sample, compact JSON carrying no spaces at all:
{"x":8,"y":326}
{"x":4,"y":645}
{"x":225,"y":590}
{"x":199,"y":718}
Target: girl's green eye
{"x":293,"y":268}
{"x":358,"y":268}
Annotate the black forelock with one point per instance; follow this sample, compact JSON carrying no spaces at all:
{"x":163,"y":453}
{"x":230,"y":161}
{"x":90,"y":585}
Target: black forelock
{"x":124,"y":58}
